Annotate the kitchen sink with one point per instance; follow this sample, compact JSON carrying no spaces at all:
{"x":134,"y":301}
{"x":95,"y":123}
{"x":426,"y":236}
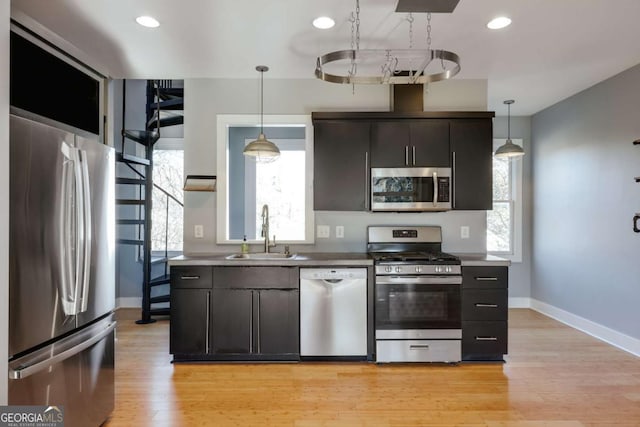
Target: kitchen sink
{"x":262,"y":256}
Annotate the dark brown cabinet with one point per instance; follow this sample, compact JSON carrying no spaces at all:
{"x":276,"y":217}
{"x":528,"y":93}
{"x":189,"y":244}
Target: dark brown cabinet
{"x":471,"y":143}
{"x":255,"y":313}
{"x":410,"y":143}
{"x":191,"y":289}
{"x":341,"y":165}
{"x":484,"y":312}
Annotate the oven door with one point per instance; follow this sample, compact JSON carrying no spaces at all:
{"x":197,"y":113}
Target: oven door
{"x":418,"y":302}
{"x":410,"y":189}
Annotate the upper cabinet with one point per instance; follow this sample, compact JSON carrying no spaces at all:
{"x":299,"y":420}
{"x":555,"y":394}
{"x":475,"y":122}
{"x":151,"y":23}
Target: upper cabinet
{"x":471,"y":161}
{"x":348,"y":145}
{"x":410,"y":143}
{"x":341,"y":165}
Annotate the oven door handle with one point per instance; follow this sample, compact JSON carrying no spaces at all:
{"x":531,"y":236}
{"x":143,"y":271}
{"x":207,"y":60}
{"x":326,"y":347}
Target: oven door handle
{"x":419,"y":280}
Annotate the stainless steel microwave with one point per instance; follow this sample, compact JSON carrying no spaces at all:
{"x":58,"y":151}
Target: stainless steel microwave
{"x":410,"y":189}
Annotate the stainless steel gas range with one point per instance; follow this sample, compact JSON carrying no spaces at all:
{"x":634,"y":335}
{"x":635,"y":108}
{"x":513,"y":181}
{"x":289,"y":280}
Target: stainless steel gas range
{"x":418,"y":307}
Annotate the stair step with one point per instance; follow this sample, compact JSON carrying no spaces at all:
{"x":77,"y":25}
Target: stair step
{"x":130,"y":202}
{"x":160,"y":311}
{"x":160,"y":280}
{"x":171,"y":92}
{"x":166,"y":121}
{"x":145,"y":137}
{"x":133,"y":181}
{"x":160,"y":298}
{"x":169,"y":104}
{"x":128,"y":158}
{"x":130,"y":242}
{"x":130,"y":221}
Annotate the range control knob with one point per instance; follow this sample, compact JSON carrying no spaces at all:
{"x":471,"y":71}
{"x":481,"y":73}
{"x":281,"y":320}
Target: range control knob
{"x":418,"y":269}
{"x":398,"y":269}
{"x":438,"y":269}
{"x":448,"y":269}
{"x":388,"y":269}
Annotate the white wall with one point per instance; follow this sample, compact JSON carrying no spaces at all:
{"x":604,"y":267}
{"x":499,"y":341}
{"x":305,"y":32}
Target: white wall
{"x":4,"y":195}
{"x":206,"y":98}
{"x":585,"y":257}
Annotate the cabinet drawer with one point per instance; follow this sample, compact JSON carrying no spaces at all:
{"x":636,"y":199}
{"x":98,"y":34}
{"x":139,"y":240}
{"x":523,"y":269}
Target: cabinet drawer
{"x":191,"y":277}
{"x":484,"y":340}
{"x":484,"y":304}
{"x":485,"y":277}
{"x":388,"y":351}
{"x":255,"y":278}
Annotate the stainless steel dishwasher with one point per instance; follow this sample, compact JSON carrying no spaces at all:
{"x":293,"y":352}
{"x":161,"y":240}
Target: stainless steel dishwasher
{"x":333,"y":312}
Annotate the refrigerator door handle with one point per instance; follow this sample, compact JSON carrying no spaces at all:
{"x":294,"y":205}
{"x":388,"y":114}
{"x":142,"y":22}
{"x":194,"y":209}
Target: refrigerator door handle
{"x":86,"y":231}
{"x":67,"y":267}
{"x":26,"y":370}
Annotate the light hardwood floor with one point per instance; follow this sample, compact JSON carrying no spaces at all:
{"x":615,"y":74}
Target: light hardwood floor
{"x":554,"y":376}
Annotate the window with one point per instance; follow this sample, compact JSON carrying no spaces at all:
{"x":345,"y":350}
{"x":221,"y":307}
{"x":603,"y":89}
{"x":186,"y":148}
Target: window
{"x":504,"y":222}
{"x":245,"y":186}
{"x":167,"y":205}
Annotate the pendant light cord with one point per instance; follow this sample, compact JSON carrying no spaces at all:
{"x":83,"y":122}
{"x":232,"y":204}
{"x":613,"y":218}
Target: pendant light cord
{"x":509,"y":122}
{"x":261,"y":101}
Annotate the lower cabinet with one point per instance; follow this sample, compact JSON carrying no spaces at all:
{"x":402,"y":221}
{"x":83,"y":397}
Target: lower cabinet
{"x":234,"y":313}
{"x":484,"y":313}
{"x":259,"y":323}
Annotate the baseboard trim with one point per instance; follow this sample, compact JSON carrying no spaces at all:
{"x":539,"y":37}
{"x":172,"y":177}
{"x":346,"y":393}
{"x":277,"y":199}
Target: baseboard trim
{"x":596,"y":330}
{"x":130,"y":302}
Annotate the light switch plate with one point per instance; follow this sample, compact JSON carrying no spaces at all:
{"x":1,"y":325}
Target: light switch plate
{"x":339,"y":231}
{"x":323,"y":231}
{"x":198,"y":231}
{"x":464,"y":232}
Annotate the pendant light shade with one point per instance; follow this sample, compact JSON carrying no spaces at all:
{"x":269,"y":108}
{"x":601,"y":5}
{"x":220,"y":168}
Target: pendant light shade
{"x":262,"y":150}
{"x":509,"y":149}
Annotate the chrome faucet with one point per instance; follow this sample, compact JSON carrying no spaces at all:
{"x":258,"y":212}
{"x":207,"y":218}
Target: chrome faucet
{"x":265,"y":229}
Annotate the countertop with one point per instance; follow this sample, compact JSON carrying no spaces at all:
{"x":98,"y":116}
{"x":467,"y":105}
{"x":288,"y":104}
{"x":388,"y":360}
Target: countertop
{"x":323,"y":259}
{"x":302,"y":259}
{"x":482,"y":260}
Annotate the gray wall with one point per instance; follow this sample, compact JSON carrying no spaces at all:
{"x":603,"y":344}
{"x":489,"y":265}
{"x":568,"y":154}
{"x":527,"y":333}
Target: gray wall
{"x":585,"y":257}
{"x":206,"y":98}
{"x":520,"y":272}
{"x":4,"y":195}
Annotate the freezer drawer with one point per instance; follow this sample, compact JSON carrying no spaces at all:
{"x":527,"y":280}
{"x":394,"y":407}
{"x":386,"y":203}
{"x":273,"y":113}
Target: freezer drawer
{"x":77,"y":372}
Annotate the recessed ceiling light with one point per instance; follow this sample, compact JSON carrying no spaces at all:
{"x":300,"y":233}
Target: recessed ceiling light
{"x":323,"y":22}
{"x":147,"y":21}
{"x":499,"y":22}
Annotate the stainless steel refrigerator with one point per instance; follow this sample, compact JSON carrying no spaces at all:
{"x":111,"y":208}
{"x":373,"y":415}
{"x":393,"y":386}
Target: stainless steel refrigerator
{"x":62,"y":272}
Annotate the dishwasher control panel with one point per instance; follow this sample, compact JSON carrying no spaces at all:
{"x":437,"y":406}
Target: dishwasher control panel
{"x":333,"y":274}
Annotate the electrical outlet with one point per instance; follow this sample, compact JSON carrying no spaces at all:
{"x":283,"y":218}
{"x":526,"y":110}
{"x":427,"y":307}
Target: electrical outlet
{"x":323,"y":231}
{"x":339,"y":231}
{"x":464,"y":232}
{"x":198,"y":231}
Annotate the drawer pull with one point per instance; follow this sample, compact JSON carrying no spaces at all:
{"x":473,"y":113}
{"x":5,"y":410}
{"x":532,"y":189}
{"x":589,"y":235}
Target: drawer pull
{"x":486,"y":339}
{"x":189,"y":277}
{"x":487,"y":279}
{"x":480,"y":304}
{"x":419,"y":347}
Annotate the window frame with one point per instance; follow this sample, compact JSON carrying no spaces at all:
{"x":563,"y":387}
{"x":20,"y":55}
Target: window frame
{"x":515,"y":184}
{"x":224,"y":122}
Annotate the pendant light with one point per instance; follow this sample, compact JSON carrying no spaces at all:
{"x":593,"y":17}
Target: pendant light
{"x":263,"y":150}
{"x":509,"y":149}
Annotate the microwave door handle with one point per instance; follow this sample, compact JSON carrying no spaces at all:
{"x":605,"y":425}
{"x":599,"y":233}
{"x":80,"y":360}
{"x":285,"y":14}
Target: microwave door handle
{"x":435,"y":189}
{"x":406,"y":155}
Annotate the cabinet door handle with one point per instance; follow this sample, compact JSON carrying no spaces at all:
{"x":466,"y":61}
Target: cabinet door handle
{"x":258,"y":322}
{"x":406,"y":155}
{"x":636,"y":217}
{"x":207,"y":329}
{"x":487,"y":279}
{"x":481,"y":304}
{"x":453,"y":184}
{"x":414,"y":155}
{"x":251,"y":325}
{"x":486,"y":339}
{"x":366,"y":181}
{"x":189,"y":277}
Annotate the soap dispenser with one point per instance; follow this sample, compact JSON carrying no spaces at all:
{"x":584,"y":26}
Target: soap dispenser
{"x":244,"y":248}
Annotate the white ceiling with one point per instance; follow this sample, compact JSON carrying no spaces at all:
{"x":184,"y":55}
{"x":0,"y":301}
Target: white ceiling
{"x":553,"y":48}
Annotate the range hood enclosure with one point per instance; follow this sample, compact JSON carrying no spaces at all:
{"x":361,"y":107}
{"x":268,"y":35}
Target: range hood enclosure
{"x":407,"y":98}
{"x":426,"y":6}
